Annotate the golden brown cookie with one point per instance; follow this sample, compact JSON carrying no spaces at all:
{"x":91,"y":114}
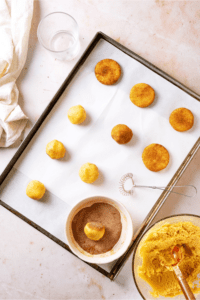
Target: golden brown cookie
{"x":142,"y":95}
{"x":155,"y":157}
{"x":89,"y":173}
{"x":107,"y":71}
{"x":181,"y":119}
{"x":55,"y":149}
{"x":35,"y":190}
{"x":122,"y":134}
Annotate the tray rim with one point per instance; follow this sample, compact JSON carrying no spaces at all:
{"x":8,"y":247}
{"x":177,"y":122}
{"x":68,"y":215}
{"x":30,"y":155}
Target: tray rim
{"x":163,"y":197}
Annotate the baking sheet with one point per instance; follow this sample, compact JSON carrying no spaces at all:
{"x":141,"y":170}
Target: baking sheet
{"x":177,"y":204}
{"x":106,"y":106}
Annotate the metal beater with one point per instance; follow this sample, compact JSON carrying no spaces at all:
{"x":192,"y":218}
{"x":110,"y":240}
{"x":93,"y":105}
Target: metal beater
{"x":129,"y":176}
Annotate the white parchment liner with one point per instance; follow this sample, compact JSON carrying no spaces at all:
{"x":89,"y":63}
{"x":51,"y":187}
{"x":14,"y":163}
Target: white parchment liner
{"x":107,"y":106}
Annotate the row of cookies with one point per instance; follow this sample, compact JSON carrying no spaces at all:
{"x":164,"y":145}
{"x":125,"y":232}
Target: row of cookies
{"x":108,"y":72}
{"x":56,"y":150}
{"x":154,"y":156}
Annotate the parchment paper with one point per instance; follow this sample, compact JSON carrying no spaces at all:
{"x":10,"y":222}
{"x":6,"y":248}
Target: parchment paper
{"x":106,"y":106}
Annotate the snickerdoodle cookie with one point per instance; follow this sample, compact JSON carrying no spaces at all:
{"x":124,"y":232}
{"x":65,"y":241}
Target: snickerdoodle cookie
{"x":142,"y":95}
{"x":107,"y":71}
{"x":155,"y":157}
{"x":181,"y":119}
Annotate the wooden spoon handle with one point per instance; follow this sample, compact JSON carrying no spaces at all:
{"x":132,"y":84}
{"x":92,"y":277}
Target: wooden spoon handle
{"x":183,"y":284}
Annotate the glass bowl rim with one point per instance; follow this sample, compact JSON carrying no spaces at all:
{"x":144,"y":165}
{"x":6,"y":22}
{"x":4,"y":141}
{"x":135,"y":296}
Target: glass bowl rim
{"x":40,"y":24}
{"x":140,"y":238}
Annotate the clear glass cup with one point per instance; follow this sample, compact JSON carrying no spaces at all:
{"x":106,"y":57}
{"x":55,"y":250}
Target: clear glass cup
{"x":58,"y":33}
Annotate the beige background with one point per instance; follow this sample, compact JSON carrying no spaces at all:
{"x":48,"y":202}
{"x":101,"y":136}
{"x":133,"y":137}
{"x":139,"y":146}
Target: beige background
{"x":166,"y":33}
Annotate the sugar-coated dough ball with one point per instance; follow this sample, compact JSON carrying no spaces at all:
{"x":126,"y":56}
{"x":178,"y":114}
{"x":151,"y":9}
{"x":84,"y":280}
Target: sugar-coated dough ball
{"x":121,"y":133}
{"x":76,"y":114}
{"x":181,"y":119}
{"x":35,"y":190}
{"x":55,"y":149}
{"x":88,"y":173}
{"x":107,"y":71}
{"x":94,"y":230}
{"x":155,"y":157}
{"x":142,"y":94}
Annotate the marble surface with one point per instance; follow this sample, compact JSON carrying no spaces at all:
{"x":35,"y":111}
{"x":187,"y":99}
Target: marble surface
{"x":166,"y":33}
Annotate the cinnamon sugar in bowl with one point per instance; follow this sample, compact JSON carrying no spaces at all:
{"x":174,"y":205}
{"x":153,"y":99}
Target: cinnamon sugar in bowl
{"x":122,"y":242}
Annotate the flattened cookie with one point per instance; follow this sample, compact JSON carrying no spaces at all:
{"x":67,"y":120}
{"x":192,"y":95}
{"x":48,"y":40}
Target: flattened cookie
{"x":107,"y":71}
{"x":155,"y":157}
{"x":122,"y":134}
{"x":181,"y":119}
{"x":142,"y":95}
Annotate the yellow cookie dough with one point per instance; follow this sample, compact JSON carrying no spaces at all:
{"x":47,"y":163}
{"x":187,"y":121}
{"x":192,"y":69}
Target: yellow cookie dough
{"x":88,"y":173}
{"x":76,"y":114}
{"x":35,"y":190}
{"x":157,"y":247}
{"x":94,"y":231}
{"x":55,"y":149}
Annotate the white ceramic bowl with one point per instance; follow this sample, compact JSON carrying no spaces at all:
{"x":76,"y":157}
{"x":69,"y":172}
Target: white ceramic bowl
{"x":119,"y":248}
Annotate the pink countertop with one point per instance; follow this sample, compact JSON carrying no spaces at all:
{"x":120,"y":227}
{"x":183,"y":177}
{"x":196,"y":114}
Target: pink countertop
{"x":166,"y":33}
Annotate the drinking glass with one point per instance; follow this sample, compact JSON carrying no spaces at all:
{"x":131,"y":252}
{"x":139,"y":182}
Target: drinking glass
{"x":58,"y":33}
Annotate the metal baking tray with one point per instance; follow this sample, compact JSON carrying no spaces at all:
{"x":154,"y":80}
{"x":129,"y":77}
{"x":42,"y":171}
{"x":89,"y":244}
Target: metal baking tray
{"x":163,"y":197}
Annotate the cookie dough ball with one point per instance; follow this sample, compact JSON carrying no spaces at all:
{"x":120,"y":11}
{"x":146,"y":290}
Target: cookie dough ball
{"x":181,"y":119}
{"x":94,"y":231}
{"x":55,"y":149}
{"x":142,"y":95}
{"x":155,"y":157}
{"x":107,"y":71}
{"x":35,"y":190}
{"x":89,"y":173}
{"x":76,"y":114}
{"x":122,"y":134}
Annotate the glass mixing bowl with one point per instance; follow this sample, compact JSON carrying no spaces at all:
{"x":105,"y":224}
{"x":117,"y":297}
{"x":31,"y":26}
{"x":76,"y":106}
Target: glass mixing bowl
{"x":143,"y":287}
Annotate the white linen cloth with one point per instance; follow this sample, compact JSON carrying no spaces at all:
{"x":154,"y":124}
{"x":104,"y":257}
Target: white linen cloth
{"x":15,"y":23}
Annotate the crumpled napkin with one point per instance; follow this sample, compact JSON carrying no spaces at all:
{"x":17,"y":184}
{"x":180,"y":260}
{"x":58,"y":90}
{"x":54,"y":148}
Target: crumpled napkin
{"x":15,"y":23}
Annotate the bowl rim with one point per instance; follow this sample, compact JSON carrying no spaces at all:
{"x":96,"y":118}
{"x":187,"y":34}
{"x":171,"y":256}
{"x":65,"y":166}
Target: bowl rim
{"x":41,"y":23}
{"x":131,"y":229}
{"x":140,"y":238}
